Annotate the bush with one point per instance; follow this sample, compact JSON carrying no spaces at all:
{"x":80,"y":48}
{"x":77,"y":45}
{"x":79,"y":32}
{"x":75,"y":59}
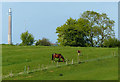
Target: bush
{"x":43,"y":42}
{"x":111,"y":42}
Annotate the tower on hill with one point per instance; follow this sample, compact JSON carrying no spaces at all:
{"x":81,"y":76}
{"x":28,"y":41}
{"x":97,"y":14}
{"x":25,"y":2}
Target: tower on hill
{"x":10,"y":27}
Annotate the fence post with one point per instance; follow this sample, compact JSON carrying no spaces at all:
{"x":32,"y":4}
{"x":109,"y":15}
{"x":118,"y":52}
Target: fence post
{"x":39,"y":67}
{"x":11,"y":75}
{"x":28,"y":68}
{"x":113,"y":53}
{"x":25,"y":69}
{"x":42,"y":67}
{"x":46,"y":68}
{"x":87,"y":57}
{"x":57,"y":64}
{"x":66,"y":62}
{"x":72,"y":61}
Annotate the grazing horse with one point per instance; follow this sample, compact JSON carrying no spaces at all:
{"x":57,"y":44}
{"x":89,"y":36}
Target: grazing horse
{"x":57,"y":56}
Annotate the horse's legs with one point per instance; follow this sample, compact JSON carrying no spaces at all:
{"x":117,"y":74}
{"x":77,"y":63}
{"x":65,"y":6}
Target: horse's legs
{"x":63,"y":59}
{"x":59,"y":58}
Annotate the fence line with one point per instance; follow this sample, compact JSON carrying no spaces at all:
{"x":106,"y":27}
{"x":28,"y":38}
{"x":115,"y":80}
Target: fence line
{"x":49,"y":67}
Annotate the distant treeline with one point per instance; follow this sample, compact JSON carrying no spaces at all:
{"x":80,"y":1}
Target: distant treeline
{"x":92,"y":29}
{"x":28,"y":39}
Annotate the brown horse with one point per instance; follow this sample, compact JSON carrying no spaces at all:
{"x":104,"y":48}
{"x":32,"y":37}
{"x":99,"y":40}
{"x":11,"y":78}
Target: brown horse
{"x":57,"y":56}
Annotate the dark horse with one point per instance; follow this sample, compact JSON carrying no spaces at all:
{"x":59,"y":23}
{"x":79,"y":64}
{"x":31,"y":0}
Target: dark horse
{"x":57,"y":56}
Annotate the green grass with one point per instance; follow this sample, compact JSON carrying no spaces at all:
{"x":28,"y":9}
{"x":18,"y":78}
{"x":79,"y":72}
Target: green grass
{"x":15,"y":58}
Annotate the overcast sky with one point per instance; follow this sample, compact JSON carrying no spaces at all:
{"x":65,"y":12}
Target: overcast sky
{"x":42,"y":18}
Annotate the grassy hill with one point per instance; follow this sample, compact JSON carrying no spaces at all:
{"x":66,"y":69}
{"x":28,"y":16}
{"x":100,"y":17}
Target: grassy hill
{"x":101,"y":65}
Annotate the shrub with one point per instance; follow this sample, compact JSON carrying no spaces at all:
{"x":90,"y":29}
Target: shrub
{"x":43,"y":42}
{"x":111,"y":42}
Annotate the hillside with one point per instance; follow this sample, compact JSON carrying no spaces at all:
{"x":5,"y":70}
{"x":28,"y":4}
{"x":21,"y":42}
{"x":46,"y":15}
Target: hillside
{"x":99,"y":63}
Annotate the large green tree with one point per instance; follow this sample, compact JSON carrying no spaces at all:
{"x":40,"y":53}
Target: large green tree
{"x":106,"y":26}
{"x":73,"y":32}
{"x":97,"y":32}
{"x":27,"y":38}
{"x":101,"y":27}
{"x":92,"y":17}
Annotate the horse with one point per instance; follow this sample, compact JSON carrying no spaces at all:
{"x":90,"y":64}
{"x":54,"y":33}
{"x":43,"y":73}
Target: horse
{"x":57,"y":56}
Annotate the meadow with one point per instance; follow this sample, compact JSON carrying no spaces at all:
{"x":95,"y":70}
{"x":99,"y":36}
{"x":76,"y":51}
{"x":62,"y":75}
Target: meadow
{"x":99,"y":63}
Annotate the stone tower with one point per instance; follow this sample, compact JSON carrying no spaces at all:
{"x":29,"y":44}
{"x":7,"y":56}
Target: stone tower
{"x":10,"y":27}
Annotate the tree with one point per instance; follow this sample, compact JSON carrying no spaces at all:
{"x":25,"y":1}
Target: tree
{"x":92,"y":17}
{"x":111,"y":42}
{"x":73,"y":32}
{"x":97,"y":32}
{"x":43,"y":42}
{"x":38,"y":42}
{"x":27,"y":38}
{"x":101,"y":26}
{"x":106,"y":26}
{"x":91,"y":29}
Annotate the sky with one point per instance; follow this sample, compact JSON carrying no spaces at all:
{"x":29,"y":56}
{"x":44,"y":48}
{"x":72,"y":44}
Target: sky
{"x":42,"y":18}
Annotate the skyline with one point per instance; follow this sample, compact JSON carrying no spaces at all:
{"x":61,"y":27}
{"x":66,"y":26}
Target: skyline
{"x":58,"y":13}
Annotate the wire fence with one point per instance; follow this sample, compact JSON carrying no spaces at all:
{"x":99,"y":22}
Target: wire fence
{"x":27,"y":69}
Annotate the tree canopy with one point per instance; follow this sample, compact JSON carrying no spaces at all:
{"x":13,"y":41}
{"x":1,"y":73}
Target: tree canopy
{"x":73,"y":32}
{"x":111,"y":42}
{"x":43,"y":42}
{"x":27,"y":38}
{"x":101,"y":26}
{"x":91,"y":29}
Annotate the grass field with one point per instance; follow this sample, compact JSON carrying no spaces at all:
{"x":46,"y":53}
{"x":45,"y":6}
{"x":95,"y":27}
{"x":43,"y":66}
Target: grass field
{"x":15,"y":58}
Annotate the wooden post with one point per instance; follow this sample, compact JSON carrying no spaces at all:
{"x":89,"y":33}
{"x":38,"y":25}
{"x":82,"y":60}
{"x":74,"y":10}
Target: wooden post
{"x":87,"y":57}
{"x":42,"y":67}
{"x":28,"y":68}
{"x":72,"y":61}
{"x":46,"y":68}
{"x":25,"y":69}
{"x":66,"y":62}
{"x":39,"y":67}
{"x":57,"y":64}
{"x":11,"y":75}
{"x":113,"y":53}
